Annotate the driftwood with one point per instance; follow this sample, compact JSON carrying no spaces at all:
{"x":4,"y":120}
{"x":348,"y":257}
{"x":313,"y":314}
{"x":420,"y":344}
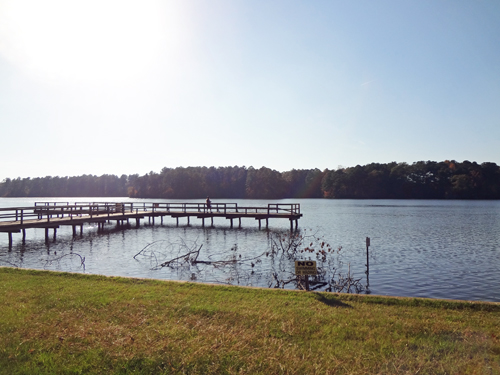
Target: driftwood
{"x":191,"y":258}
{"x":186,"y":258}
{"x":284,"y":249}
{"x":82,"y":259}
{"x":12,"y":264}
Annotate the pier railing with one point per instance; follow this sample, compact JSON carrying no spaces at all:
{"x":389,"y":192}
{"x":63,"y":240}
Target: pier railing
{"x":16,"y":214}
{"x":48,"y":210}
{"x":55,"y":214}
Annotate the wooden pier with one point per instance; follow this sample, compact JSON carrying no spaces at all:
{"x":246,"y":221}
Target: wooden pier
{"x":52,"y":215}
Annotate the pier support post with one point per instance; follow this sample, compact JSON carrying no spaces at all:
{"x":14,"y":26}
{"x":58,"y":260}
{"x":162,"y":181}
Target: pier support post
{"x":24,"y":236}
{"x":81,"y":230}
{"x":203,"y":222}
{"x":177,"y":221}
{"x":212,"y":221}
{"x":161,"y":220}
{"x":55,"y":232}
{"x":10,"y":240}
{"x":239,"y":219}
{"x":74,"y":230}
{"x":267,"y":223}
{"x":46,"y":235}
{"x":137,"y":222}
{"x":231,"y":223}
{"x":153,"y":220}
{"x":188,"y":220}
{"x":259,"y":223}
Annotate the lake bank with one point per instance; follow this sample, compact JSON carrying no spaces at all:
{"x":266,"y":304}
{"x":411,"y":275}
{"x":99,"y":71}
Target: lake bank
{"x":61,"y":322}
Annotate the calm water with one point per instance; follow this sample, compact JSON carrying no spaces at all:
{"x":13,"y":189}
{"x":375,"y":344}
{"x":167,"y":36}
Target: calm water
{"x":438,"y":249}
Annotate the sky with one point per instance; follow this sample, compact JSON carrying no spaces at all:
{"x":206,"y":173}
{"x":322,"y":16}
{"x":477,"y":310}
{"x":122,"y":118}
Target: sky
{"x":124,"y":87}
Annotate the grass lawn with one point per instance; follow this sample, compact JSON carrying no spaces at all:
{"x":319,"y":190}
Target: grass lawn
{"x":58,"y":323}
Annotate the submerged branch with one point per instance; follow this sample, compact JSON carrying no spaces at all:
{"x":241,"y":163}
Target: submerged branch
{"x":185,"y":257}
{"x":82,"y":259}
{"x":12,"y":264}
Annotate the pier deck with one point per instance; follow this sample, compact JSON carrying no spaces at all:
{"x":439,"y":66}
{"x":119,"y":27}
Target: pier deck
{"x":52,"y":215}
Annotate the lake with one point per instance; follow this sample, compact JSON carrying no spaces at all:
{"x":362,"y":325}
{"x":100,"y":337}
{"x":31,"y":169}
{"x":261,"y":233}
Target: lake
{"x":419,"y":248}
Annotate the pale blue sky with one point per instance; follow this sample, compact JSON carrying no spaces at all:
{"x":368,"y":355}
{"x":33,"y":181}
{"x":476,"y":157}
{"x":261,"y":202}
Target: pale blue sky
{"x":94,"y":87}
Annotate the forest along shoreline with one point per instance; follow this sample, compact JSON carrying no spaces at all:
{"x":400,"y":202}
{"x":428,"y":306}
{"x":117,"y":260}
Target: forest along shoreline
{"x":420,"y":180}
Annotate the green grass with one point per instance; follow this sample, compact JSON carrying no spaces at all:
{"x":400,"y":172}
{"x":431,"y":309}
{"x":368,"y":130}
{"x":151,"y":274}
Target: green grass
{"x":59,"y":323}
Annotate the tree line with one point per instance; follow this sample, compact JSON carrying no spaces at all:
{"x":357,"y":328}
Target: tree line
{"x":420,"y":180}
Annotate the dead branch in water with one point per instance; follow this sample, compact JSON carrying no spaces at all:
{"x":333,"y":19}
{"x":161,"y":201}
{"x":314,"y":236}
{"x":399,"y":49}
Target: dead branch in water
{"x":284,"y":250}
{"x":82,"y":260}
{"x":188,"y":258}
{"x":185,"y":257}
{"x":12,"y":264}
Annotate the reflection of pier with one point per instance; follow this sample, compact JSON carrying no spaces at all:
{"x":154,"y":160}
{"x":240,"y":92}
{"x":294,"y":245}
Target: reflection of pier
{"x":53,"y":215}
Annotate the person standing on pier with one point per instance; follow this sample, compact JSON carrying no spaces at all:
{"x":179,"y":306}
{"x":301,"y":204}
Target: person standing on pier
{"x":209,"y":204}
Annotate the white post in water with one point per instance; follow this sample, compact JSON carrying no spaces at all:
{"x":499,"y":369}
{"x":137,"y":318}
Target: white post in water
{"x":367,"y":262}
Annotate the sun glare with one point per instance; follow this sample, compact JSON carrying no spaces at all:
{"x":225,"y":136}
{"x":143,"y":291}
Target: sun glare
{"x":84,"y":41}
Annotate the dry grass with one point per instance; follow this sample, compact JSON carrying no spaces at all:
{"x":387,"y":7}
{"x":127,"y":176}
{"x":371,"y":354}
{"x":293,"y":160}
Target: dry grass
{"x":64,"y":323}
